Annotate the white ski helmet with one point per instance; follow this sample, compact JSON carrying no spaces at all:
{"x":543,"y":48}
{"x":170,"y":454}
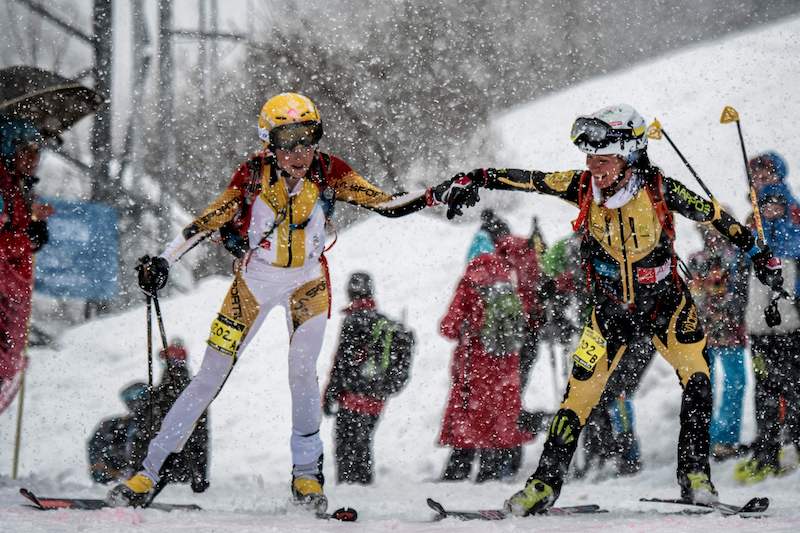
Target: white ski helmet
{"x":614,"y":130}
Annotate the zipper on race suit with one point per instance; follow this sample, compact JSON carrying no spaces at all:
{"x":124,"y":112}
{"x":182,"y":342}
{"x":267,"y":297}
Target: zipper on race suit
{"x":627,"y":283}
{"x":289,"y":233}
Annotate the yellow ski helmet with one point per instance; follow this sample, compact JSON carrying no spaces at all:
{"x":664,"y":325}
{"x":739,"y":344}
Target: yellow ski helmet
{"x":289,"y":119}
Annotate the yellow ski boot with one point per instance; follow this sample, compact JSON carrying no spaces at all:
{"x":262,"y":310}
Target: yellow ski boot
{"x":132,"y":493}
{"x":751,"y":471}
{"x":697,"y":487}
{"x":536,"y":497}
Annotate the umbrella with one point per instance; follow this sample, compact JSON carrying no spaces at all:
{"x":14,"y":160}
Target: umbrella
{"x":52,"y":102}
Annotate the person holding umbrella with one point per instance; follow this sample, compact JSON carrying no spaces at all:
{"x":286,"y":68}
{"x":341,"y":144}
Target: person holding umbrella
{"x":23,"y":231}
{"x":35,"y":105}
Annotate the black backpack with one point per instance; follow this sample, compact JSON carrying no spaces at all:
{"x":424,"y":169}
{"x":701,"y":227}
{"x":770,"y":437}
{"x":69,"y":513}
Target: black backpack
{"x":389,"y":350}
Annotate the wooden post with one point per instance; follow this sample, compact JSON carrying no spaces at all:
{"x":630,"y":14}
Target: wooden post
{"x":18,"y":435}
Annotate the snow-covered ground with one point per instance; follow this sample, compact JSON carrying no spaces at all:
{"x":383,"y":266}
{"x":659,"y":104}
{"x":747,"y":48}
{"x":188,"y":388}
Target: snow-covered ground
{"x":415,"y":263}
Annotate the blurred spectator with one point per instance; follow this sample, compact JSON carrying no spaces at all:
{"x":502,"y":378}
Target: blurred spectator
{"x":719,"y":287}
{"x":775,"y":350}
{"x":110,"y":445}
{"x":23,"y":231}
{"x":486,"y":317}
{"x":126,"y":438}
{"x":372,"y":362}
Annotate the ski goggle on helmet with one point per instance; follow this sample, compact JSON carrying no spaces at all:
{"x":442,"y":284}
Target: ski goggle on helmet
{"x":289,"y":120}
{"x":613,"y":130}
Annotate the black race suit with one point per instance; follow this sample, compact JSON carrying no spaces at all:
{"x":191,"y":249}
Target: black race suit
{"x":635,"y":291}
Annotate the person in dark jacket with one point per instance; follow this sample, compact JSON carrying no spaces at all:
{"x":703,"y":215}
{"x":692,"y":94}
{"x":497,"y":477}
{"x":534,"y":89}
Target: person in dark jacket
{"x":189,"y":465}
{"x":119,"y":444}
{"x":372,"y":362}
{"x":110,"y":446}
{"x":775,"y":349}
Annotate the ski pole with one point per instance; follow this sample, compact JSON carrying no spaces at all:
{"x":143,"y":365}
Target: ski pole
{"x":655,"y":131}
{"x":729,"y":115}
{"x":771,"y":313}
{"x":160,"y":321}
{"x":148,"y":304}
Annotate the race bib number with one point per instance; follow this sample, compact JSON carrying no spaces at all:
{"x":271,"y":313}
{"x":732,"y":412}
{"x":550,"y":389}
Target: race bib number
{"x":591,"y":347}
{"x":226,"y":335}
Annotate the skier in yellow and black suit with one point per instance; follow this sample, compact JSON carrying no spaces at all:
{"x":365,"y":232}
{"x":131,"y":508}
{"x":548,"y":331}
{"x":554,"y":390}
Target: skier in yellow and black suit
{"x":625,"y":215}
{"x":272,"y":217}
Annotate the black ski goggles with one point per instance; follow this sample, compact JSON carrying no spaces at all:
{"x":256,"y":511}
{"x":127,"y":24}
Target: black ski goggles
{"x":290,"y":136}
{"x":597,"y":134}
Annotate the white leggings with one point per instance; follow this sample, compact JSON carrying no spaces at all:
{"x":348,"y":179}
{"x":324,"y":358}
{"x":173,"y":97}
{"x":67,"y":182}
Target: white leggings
{"x":270,"y":287}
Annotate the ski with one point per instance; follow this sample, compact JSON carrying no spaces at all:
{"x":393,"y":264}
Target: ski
{"x":501,"y":514}
{"x":754,"y":507}
{"x":91,"y":504}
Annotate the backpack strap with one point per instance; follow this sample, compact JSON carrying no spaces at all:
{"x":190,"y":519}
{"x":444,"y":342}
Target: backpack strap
{"x":655,"y":191}
{"x":584,"y":201}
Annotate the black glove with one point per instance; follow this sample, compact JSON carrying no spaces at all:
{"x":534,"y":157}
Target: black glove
{"x":768,"y":269}
{"x":38,"y":234}
{"x":199,"y":483}
{"x":233,"y":242}
{"x":460,"y":191}
{"x":153,"y":273}
{"x":329,"y":405}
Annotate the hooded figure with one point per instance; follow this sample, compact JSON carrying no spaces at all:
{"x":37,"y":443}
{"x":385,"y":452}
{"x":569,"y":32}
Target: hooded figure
{"x":23,"y":231}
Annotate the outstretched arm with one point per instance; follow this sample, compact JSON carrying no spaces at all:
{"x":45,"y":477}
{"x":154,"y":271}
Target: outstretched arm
{"x":691,"y":205}
{"x":462,"y":190}
{"x":682,"y":200}
{"x":354,"y":189}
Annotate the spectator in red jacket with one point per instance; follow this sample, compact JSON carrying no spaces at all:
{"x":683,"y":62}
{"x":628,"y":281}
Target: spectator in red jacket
{"x":486,"y":318}
{"x":23,"y":230}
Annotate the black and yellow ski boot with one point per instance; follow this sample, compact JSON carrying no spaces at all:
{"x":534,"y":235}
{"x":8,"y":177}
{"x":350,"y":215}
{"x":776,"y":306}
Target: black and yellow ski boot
{"x":697,"y":487}
{"x":307,"y":483}
{"x":135,"y":492}
{"x":537,"y":497}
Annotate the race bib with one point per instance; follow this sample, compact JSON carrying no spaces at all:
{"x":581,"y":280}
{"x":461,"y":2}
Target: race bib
{"x":591,"y":347}
{"x":226,"y":335}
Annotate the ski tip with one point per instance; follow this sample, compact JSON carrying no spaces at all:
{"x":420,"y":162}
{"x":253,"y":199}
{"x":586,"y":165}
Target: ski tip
{"x":345,"y":514}
{"x":436,"y":506}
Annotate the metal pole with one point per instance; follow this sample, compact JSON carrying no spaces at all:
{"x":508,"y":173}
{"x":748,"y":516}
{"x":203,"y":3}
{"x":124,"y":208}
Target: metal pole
{"x":166,"y":110}
{"x":202,"y":60}
{"x":101,"y":127}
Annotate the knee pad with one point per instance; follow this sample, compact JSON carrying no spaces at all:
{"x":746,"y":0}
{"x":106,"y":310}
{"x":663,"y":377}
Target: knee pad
{"x":565,"y":428}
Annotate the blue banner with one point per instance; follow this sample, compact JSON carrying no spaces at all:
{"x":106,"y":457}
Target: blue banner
{"x":81,"y":258}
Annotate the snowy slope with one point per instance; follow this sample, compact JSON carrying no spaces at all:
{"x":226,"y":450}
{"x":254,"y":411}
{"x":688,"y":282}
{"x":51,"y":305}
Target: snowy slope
{"x":415,"y":263}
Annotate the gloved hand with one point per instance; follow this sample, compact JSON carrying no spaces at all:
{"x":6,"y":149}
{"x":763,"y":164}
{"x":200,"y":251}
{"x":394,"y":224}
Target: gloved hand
{"x":237,"y":245}
{"x":460,"y":191}
{"x":38,"y":234}
{"x":199,"y":483}
{"x":329,"y":404}
{"x":153,"y":273}
{"x":768,"y":269}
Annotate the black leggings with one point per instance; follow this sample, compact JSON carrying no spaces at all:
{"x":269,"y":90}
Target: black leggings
{"x":354,"y":433}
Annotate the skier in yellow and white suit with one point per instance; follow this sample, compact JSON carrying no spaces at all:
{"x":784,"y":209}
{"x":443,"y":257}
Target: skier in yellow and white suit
{"x":272,"y":217}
